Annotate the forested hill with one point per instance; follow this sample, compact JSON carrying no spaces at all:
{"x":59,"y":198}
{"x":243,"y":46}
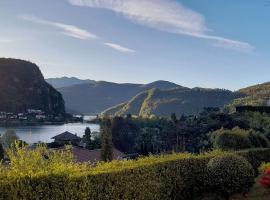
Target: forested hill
{"x":93,"y":98}
{"x":178,"y":100}
{"x":22,"y":87}
{"x":256,"y":95}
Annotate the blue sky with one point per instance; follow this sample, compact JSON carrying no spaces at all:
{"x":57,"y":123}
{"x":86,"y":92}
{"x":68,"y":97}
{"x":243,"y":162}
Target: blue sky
{"x":193,"y":43}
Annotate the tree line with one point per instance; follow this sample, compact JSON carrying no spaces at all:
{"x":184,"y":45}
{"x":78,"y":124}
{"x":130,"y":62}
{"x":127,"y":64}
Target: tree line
{"x":185,"y":133}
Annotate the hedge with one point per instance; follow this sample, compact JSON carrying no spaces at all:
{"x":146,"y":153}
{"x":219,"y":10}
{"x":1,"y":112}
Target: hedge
{"x":230,"y":174}
{"x":175,"y":176}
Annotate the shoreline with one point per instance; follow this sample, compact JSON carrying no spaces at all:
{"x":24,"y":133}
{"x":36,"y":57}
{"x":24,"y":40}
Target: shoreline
{"x":17,"y":124}
{"x":13,"y":124}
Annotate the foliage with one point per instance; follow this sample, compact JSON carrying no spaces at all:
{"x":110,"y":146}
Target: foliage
{"x":87,"y":138}
{"x":255,"y":96}
{"x":2,"y":152}
{"x":8,"y":138}
{"x":237,"y":139}
{"x":228,"y":174}
{"x":265,"y":179}
{"x":185,"y":133}
{"x":264,"y":167}
{"x":106,"y":141}
{"x":57,"y":177}
{"x":147,"y":141}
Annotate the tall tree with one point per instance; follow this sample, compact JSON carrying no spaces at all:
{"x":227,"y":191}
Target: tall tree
{"x":2,"y":152}
{"x":106,"y":141}
{"x":87,"y":138}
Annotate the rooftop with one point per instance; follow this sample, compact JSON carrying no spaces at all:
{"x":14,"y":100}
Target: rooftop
{"x":82,"y":155}
{"x":66,"y":136}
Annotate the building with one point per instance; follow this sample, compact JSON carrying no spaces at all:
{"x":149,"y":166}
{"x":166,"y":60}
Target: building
{"x":35,"y":111}
{"x":40,"y":116}
{"x":82,"y":155}
{"x":67,"y":138}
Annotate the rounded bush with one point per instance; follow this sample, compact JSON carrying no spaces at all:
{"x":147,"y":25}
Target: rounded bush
{"x":230,"y":174}
{"x":234,"y":139}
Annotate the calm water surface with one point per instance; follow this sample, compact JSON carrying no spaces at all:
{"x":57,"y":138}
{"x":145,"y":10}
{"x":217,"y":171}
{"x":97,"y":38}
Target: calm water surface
{"x":44,"y":133}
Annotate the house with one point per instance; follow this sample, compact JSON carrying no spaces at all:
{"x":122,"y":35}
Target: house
{"x":34,"y":111}
{"x":82,"y":155}
{"x":67,"y":138}
{"x":3,"y":116}
{"x":40,"y":117}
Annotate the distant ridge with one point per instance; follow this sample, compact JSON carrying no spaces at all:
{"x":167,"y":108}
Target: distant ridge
{"x":67,"y":81}
{"x":93,"y":98}
{"x":156,"y":98}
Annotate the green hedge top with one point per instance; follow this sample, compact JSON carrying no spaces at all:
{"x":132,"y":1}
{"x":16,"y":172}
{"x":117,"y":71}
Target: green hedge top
{"x":43,"y":174}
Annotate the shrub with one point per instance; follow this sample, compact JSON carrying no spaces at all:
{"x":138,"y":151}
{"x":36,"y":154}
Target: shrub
{"x":175,"y":176}
{"x":256,"y":157}
{"x":228,"y":174}
{"x":234,"y":139}
{"x":265,"y":179}
{"x":237,"y":139}
{"x":264,"y":167}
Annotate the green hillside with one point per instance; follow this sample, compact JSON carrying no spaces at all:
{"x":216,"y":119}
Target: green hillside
{"x":257,"y":95}
{"x":178,"y":100}
{"x":93,"y":98}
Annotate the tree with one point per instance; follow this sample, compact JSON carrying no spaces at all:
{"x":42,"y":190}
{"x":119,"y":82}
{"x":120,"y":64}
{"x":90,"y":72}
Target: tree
{"x":8,"y":138}
{"x":148,"y":141}
{"x":106,"y":141}
{"x":2,"y":152}
{"x":87,"y":138}
{"x":174,"y":118}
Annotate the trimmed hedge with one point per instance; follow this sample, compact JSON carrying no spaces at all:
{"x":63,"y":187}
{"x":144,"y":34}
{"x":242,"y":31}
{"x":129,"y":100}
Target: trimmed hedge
{"x":176,"y":176}
{"x":230,"y":174}
{"x":256,"y":157}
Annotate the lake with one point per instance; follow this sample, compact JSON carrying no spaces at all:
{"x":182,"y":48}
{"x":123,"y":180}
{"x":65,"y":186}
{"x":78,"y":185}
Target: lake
{"x":44,"y":133}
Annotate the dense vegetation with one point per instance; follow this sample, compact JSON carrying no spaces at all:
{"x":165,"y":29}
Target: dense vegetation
{"x":257,"y":95}
{"x":44,"y":174}
{"x":23,"y":87}
{"x":237,"y":139}
{"x":179,"y":100}
{"x":190,"y":133}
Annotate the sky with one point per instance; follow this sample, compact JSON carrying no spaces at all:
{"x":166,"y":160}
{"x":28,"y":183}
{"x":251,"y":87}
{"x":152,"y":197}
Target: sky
{"x":194,"y":43}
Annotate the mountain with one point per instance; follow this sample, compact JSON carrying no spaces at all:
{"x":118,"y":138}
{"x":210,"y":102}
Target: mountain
{"x":93,"y":98}
{"x":67,"y":81}
{"x":177,"y":100}
{"x":22,"y":87}
{"x":257,"y":95}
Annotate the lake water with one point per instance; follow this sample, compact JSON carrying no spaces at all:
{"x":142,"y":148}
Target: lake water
{"x":44,"y":133}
